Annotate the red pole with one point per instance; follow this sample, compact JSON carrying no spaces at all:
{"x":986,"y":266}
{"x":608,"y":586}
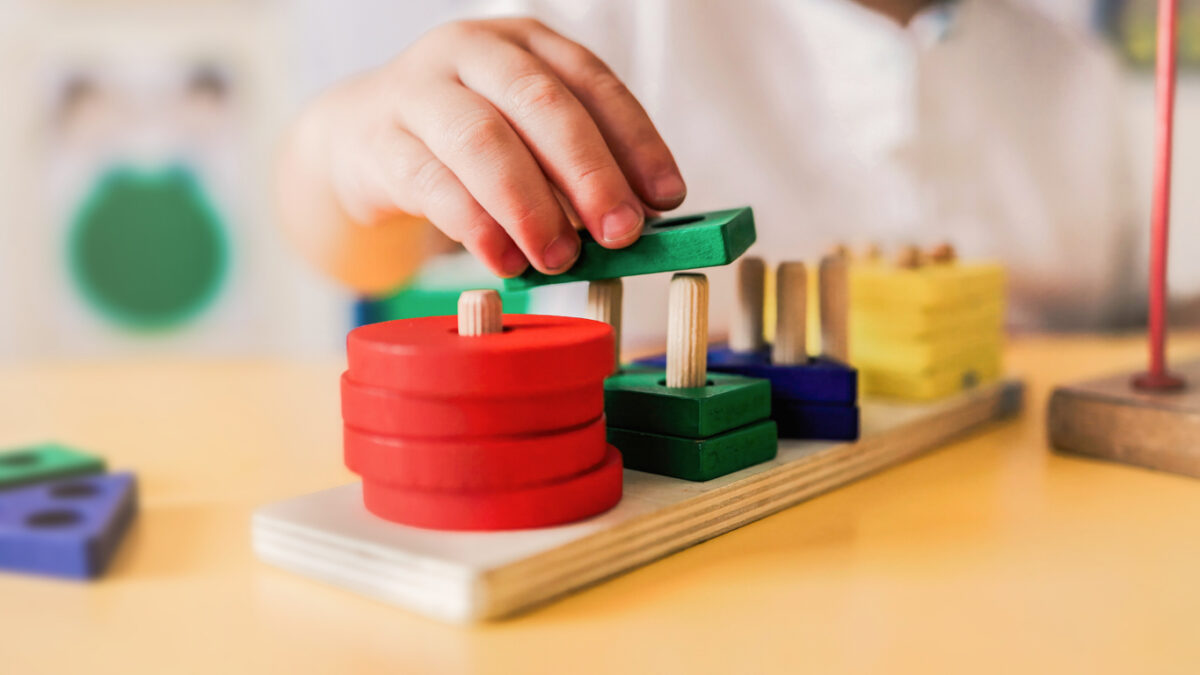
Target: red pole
{"x":1157,"y":376}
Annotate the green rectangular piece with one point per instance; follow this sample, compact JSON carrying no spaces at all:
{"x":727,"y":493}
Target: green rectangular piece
{"x":666,"y":245}
{"x":696,"y":459}
{"x":46,"y":461}
{"x":641,"y":401}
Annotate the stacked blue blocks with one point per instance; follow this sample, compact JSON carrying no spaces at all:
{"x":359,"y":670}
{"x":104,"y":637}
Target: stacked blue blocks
{"x":817,"y":400}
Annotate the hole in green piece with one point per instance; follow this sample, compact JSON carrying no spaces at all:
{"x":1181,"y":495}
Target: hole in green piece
{"x":147,"y":249}
{"x":663,"y":383}
{"x":676,"y":222}
{"x":74,"y":490}
{"x":53,"y":518}
{"x":19,"y":459}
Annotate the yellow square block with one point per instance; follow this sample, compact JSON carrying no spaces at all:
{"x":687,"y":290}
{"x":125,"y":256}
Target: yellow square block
{"x":917,"y":356}
{"x":931,"y":384}
{"x":928,"y":332}
{"x":917,"y":334}
{"x":900,"y":322}
{"x":932,"y":286}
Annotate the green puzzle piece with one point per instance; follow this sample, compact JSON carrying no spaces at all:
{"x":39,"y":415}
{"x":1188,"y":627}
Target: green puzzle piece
{"x":666,"y":245}
{"x":47,"y":461}
{"x":696,"y":459}
{"x":641,"y":400}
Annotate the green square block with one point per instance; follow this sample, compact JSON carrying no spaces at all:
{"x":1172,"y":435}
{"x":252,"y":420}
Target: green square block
{"x":696,"y":459}
{"x":640,"y":400}
{"x":666,"y":245}
{"x":47,"y":461}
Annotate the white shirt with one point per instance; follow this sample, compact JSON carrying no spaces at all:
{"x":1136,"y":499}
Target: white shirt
{"x":983,"y":123}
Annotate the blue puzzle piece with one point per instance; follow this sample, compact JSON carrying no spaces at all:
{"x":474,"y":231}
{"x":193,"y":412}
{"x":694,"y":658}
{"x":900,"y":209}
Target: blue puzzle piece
{"x":821,"y":380}
{"x":66,"y":528}
{"x":815,"y":421}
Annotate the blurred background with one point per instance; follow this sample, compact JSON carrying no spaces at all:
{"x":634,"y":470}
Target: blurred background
{"x":136,"y":141}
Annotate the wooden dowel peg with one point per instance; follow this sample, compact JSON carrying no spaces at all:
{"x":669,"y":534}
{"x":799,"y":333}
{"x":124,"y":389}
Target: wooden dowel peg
{"x":791,"y":315}
{"x":687,"y":331}
{"x":834,"y":291}
{"x":872,"y":252}
{"x":746,"y":333}
{"x":908,"y":258}
{"x":943,"y":253}
{"x":604,"y":304}
{"x":480,"y":313}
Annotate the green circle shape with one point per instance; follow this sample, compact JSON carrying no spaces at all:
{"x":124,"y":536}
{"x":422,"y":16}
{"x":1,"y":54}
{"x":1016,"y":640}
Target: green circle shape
{"x":147,"y":249}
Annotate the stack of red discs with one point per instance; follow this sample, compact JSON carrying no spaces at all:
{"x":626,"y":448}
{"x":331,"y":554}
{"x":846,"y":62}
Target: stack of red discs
{"x":482,"y":432}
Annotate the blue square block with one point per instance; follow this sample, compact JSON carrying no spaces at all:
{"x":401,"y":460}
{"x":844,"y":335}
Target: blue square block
{"x":66,"y":528}
{"x":815,"y":421}
{"x":821,"y":380}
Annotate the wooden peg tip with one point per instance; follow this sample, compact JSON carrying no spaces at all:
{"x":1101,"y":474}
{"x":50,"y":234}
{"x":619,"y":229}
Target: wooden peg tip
{"x":746,"y":331}
{"x":687,"y":331}
{"x":480,"y":313}
{"x":604,"y":304}
{"x":833,"y":291}
{"x":791,"y":315}
{"x":908,"y":258}
{"x":943,"y":253}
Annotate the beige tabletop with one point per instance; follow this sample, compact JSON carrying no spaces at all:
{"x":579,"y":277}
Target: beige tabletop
{"x":989,"y":555}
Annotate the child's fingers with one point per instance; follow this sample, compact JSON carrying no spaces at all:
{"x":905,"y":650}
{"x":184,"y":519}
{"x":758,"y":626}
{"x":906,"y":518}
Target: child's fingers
{"x":559,"y":132}
{"x":420,"y":184}
{"x":628,"y":130}
{"x":476,"y":143}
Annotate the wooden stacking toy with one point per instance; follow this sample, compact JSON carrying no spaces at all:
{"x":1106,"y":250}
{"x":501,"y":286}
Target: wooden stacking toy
{"x":683,"y":421}
{"x":1148,"y":417}
{"x":811,"y":397}
{"x":926,"y":325}
{"x":499,"y":423}
{"x":481,"y":421}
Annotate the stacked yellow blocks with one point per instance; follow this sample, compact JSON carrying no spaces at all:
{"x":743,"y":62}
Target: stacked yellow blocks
{"x":925,"y":325}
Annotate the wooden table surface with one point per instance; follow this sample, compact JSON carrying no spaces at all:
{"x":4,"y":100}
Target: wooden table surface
{"x":990,"y":555}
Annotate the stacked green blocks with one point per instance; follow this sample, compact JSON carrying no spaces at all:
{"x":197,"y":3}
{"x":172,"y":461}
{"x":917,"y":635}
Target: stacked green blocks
{"x":701,"y":428}
{"x":683,"y":422}
{"x":694,"y":433}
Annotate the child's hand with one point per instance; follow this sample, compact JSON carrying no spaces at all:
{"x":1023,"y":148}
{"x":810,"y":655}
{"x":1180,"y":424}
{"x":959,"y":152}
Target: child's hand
{"x":479,"y":124}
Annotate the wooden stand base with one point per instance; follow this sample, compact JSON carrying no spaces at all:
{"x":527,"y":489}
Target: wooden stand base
{"x":471,"y":576}
{"x":1110,"y":419}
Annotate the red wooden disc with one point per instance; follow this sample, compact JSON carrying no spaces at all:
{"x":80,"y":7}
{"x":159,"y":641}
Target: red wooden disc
{"x":534,"y":354}
{"x":391,"y":413}
{"x":475,"y":463}
{"x":542,"y":505}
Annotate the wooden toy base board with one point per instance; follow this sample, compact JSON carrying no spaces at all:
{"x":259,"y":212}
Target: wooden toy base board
{"x":462,"y":577}
{"x":1109,"y":419}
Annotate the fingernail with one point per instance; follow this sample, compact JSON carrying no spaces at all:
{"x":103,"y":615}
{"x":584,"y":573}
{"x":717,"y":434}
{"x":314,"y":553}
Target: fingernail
{"x":513,"y":262}
{"x":561,"y":252}
{"x":669,"y":188}
{"x":620,"y":223}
